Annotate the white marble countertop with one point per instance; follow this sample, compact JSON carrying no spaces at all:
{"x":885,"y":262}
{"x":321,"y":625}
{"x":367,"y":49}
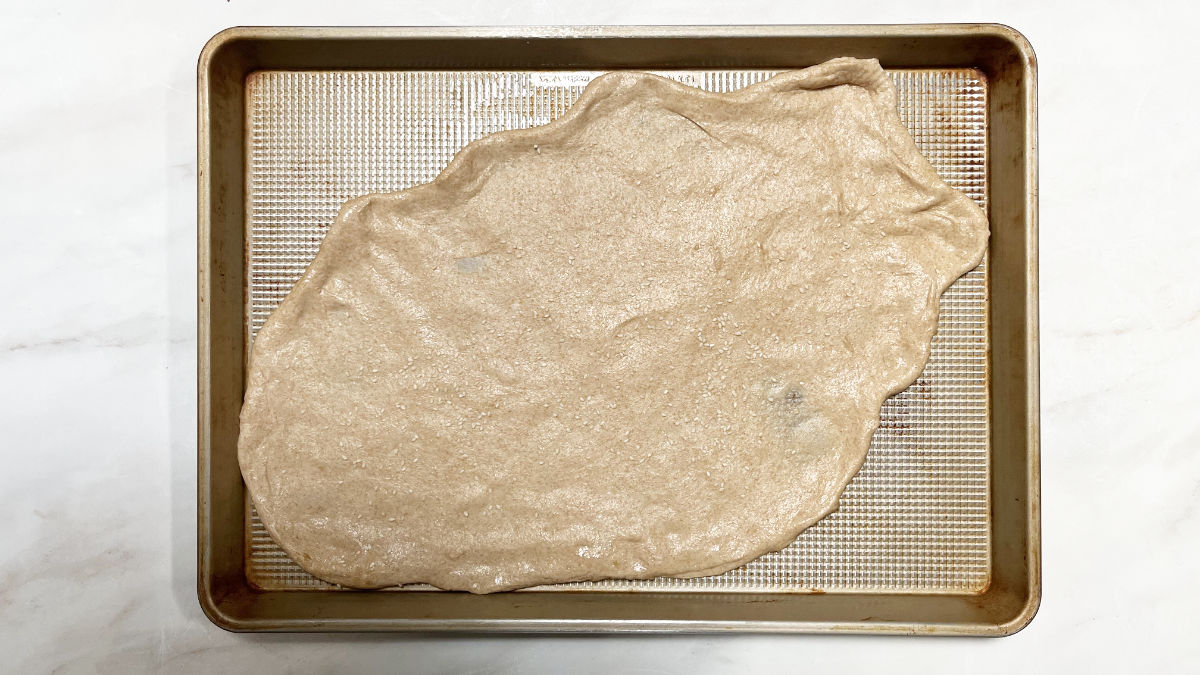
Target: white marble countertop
{"x":97,"y":348}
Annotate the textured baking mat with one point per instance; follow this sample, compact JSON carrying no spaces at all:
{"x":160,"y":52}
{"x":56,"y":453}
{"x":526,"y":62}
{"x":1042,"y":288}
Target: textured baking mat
{"x":914,"y":519}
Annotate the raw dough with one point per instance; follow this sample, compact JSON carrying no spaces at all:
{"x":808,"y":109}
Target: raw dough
{"x":651,"y":338}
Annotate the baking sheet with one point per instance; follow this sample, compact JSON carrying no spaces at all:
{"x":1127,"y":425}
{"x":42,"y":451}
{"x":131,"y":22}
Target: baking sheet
{"x":915,"y":518}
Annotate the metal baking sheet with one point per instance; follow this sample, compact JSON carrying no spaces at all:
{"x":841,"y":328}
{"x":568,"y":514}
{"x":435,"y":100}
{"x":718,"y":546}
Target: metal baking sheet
{"x":939,"y":533}
{"x":914,"y":519}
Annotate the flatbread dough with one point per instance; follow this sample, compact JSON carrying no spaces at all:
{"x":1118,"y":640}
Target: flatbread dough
{"x":651,"y":338}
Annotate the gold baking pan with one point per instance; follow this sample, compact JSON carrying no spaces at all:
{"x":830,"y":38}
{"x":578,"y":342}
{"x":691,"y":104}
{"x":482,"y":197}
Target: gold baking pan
{"x":939,"y":531}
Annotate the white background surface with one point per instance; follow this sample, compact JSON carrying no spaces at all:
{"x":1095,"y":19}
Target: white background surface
{"x":97,"y":348}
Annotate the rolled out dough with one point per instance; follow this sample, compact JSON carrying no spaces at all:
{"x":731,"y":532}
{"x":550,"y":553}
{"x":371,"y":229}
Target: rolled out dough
{"x":651,"y":338}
